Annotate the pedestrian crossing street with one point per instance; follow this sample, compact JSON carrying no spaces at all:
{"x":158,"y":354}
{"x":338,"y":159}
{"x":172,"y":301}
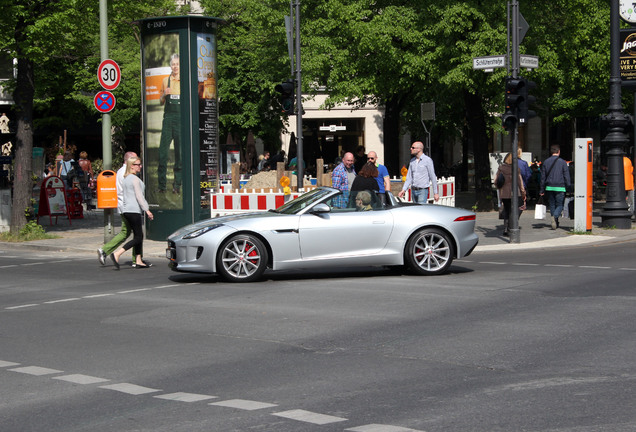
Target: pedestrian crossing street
{"x":297,"y":415}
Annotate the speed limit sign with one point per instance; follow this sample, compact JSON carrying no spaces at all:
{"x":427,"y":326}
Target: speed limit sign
{"x":109,"y":74}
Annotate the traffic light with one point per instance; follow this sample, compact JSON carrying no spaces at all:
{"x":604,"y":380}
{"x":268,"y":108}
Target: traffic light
{"x":513,"y":100}
{"x":286,"y":90}
{"x":524,"y":113}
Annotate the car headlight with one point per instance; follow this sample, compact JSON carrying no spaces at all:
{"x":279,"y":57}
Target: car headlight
{"x":199,"y":232}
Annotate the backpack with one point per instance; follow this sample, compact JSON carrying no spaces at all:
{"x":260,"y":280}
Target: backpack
{"x":501,"y":180}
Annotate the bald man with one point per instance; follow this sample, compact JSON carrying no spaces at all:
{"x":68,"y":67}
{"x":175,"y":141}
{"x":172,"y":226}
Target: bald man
{"x":421,"y":176}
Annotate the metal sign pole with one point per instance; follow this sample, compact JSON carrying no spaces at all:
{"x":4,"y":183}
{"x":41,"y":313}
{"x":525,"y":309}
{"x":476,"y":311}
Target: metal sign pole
{"x":299,"y":107}
{"x":514,"y":202}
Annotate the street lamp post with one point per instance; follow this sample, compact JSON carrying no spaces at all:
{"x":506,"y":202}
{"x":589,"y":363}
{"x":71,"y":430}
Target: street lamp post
{"x":615,"y":213}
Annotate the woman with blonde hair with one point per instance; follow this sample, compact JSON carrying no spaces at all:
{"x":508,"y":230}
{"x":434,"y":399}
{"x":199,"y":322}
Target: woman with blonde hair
{"x":133,"y":208}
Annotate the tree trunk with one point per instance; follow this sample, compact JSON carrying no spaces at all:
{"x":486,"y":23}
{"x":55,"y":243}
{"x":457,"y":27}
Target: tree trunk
{"x":478,"y":131}
{"x":22,"y":182}
{"x":391,"y":125}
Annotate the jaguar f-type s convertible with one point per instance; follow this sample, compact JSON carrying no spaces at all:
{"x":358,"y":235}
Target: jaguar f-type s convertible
{"x":326,"y":228}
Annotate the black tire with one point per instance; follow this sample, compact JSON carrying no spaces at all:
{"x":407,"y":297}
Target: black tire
{"x":429,"y":252}
{"x":242,"y":258}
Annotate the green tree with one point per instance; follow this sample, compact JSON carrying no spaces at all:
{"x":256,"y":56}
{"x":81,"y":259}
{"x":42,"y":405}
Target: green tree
{"x":252,"y":59}
{"x":56,"y":53}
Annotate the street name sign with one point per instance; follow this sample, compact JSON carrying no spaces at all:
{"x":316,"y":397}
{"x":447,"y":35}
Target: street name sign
{"x":488,"y":63}
{"x":528,"y":61}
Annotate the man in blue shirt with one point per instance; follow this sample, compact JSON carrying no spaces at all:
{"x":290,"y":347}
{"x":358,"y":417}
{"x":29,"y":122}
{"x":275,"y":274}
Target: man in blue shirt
{"x":383,"y":179}
{"x":421,"y":175}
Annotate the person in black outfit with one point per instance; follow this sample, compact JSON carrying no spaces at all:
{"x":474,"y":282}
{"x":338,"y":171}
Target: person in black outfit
{"x":365,"y":180}
{"x":360,"y":158}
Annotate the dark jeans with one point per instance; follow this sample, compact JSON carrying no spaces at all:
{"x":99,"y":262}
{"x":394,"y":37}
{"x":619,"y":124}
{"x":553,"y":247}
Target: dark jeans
{"x":134,"y":220}
{"x":555,"y":202}
{"x":170,"y":131}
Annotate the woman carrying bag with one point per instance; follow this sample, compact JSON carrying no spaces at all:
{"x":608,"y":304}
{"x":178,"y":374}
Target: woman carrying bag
{"x":503,"y":180}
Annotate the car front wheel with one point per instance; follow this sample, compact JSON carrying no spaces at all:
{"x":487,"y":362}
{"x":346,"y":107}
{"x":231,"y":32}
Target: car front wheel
{"x":429,"y":252}
{"x":242,"y":258}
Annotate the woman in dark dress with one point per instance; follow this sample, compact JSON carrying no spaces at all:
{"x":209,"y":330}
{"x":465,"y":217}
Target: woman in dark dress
{"x":366,"y":178}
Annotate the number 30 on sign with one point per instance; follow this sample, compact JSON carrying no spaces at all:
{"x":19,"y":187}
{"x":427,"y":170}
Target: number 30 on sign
{"x":109,"y":74}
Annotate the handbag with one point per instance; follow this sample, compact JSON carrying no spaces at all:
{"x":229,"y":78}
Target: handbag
{"x":540,"y":210}
{"x":501,"y":180}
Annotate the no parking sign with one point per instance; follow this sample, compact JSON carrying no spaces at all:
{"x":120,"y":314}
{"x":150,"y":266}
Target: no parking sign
{"x":104,"y":101}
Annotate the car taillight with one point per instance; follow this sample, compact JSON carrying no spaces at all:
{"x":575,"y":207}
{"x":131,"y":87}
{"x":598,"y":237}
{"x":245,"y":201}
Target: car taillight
{"x":466,"y":218}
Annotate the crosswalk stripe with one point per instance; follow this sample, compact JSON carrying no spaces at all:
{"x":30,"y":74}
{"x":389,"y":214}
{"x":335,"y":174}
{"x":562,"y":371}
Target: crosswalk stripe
{"x":243,"y":404}
{"x":309,"y":417}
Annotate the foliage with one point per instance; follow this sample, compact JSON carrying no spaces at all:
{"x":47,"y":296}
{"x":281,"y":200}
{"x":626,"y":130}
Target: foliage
{"x":252,"y":59}
{"x":31,"y":231}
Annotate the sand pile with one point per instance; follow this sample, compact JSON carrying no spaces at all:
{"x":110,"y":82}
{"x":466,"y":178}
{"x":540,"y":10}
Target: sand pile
{"x":267,"y":179}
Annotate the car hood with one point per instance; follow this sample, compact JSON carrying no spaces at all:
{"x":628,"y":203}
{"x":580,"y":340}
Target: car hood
{"x":222,"y":220}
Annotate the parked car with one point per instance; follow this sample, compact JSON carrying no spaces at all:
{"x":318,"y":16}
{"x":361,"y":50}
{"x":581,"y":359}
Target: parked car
{"x":324,"y":228}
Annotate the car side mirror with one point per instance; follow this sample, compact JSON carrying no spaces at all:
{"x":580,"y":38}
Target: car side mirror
{"x":321,"y":208}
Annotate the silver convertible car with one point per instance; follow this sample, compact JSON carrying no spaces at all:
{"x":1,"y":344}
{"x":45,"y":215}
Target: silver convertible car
{"x":324,"y":228}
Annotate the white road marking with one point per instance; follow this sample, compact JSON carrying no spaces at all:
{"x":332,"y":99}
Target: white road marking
{"x":33,"y":264}
{"x":492,"y":262}
{"x":80,"y":379}
{"x":166,"y":286}
{"x":8,"y":266}
{"x":185,"y":397}
{"x":628,"y":269}
{"x":62,"y":300}
{"x":309,"y":417}
{"x":7,"y":364}
{"x":132,"y":389}
{"x":380,"y":428}
{"x":594,"y":267}
{"x":132,"y":291}
{"x":558,"y":265}
{"x":524,"y":264}
{"x":243,"y":404}
{"x":22,"y":306}
{"x":35,"y":370}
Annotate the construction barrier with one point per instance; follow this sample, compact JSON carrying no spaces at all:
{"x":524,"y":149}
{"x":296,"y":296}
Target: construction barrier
{"x":254,"y":200}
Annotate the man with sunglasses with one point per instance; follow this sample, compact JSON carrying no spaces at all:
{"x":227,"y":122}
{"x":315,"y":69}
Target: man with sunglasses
{"x":421,"y":175}
{"x":383,"y":179}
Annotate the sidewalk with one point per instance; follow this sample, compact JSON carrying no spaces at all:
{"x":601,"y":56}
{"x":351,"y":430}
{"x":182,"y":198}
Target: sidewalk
{"x":87,"y":234}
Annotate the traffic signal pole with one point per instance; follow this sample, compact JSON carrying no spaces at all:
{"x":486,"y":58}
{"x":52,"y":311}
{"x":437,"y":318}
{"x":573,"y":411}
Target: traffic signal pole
{"x":299,"y":107}
{"x":514,"y":139}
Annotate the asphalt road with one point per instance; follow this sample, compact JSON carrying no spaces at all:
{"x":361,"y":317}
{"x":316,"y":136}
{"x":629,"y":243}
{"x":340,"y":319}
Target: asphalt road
{"x":540,"y":340}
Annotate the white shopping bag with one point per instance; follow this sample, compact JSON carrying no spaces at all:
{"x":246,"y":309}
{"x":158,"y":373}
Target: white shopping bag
{"x":539,"y":211}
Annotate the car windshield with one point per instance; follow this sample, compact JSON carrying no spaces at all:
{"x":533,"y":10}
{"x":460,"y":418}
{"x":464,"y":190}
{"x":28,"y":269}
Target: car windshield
{"x":306,"y":199}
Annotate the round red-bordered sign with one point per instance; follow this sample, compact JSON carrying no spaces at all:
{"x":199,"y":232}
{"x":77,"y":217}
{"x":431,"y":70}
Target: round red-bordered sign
{"x":109,"y":74}
{"x":104,"y":101}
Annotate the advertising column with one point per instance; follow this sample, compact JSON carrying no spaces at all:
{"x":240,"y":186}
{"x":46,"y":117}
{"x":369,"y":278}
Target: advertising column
{"x":180,"y":119}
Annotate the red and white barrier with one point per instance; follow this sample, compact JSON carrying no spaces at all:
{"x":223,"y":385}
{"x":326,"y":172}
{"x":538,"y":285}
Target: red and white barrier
{"x":446,"y":190}
{"x":241,"y":201}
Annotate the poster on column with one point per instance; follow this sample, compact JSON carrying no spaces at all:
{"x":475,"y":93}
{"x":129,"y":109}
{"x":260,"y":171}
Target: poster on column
{"x":164,"y":143}
{"x":628,"y":57}
{"x":208,"y":117}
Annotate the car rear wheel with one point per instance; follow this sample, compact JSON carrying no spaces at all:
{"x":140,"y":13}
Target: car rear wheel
{"x":429,"y":252}
{"x":242,"y":258}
